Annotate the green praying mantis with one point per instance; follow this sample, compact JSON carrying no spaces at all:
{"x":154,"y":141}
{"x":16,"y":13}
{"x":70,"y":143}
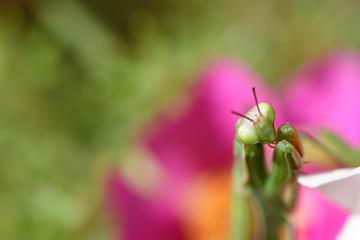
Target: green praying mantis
{"x":262,"y":198}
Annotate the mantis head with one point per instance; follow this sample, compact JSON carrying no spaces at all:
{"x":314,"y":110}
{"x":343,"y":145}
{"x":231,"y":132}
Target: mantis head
{"x":257,"y":125}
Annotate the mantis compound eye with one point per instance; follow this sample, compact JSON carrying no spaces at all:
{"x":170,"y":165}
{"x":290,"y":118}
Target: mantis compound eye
{"x":257,"y":125}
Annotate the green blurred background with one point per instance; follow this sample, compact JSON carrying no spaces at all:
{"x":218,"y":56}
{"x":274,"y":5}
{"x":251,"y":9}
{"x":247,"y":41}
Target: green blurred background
{"x":80,"y":79}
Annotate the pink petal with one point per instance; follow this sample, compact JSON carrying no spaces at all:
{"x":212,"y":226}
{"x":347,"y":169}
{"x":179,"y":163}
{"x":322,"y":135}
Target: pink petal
{"x":316,"y":217}
{"x":138,"y":217}
{"x":325,"y":94}
{"x":202,"y":137}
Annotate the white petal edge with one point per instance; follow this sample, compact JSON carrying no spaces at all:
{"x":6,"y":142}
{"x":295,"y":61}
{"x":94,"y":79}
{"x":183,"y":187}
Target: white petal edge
{"x":341,"y":185}
{"x":350,"y":231}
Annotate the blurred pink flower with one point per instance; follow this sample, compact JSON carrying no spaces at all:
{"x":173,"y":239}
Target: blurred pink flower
{"x":140,"y":217}
{"x":199,"y":142}
{"x":325,"y":94}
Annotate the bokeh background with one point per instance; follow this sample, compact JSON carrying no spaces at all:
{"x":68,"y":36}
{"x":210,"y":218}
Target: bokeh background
{"x":80,"y":80}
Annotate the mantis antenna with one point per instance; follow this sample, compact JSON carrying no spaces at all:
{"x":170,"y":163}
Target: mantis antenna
{"x":256,"y":101}
{"x":241,"y":115}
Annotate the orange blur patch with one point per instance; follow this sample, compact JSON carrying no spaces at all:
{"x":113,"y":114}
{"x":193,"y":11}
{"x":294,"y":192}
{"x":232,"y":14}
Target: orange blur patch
{"x":206,"y":212}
